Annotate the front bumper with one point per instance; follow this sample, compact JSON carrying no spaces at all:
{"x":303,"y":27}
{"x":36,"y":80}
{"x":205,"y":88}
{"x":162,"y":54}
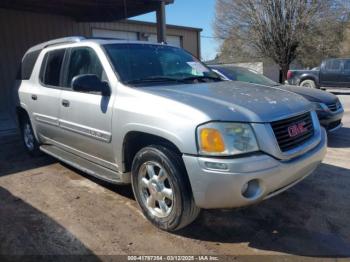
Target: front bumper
{"x":223,"y":188}
{"x":331,"y":121}
{"x":292,"y":81}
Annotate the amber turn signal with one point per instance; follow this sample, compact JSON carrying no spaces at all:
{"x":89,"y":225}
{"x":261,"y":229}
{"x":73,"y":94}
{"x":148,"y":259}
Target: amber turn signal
{"x":211,"y":141}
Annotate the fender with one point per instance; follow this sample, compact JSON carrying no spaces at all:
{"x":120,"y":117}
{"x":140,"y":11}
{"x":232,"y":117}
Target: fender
{"x":135,"y":127}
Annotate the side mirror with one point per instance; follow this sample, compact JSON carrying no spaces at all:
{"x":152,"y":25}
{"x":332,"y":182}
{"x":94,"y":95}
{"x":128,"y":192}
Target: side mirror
{"x":90,"y":84}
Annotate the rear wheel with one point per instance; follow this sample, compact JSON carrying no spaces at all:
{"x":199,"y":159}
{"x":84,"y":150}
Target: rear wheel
{"x":162,"y":189}
{"x":28,"y":137}
{"x":308,"y":83}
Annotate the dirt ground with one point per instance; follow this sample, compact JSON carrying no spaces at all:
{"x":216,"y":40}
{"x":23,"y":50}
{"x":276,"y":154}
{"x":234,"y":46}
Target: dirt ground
{"x":48,"y":208}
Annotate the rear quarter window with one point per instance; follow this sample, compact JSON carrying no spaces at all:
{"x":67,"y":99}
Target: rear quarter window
{"x":27,"y":65}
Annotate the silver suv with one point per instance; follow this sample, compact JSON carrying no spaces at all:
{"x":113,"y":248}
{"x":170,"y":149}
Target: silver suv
{"x":154,"y":116}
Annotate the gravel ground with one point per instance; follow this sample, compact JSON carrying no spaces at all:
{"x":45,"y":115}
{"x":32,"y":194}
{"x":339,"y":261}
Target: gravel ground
{"x":48,"y":208}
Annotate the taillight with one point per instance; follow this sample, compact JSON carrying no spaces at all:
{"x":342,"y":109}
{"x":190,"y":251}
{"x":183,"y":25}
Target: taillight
{"x":289,"y":74}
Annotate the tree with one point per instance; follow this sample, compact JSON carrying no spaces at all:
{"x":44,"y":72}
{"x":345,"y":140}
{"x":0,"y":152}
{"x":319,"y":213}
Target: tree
{"x":281,"y":30}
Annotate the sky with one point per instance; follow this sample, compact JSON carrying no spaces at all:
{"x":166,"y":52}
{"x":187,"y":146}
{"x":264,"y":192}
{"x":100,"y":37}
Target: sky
{"x":192,"y":13}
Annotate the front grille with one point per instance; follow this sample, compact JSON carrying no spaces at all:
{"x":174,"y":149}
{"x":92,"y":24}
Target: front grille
{"x":334,"y":107}
{"x":282,"y":131}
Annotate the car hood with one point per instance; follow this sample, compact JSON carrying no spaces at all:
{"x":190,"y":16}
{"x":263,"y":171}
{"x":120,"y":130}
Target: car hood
{"x":235,"y":101}
{"x":311,"y":94}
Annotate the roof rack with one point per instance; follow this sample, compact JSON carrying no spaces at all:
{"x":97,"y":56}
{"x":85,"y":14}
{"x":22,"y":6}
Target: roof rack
{"x":102,"y":38}
{"x":64,"y":40}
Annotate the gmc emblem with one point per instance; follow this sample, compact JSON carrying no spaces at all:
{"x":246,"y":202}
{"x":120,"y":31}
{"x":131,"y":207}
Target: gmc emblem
{"x":297,"y":129}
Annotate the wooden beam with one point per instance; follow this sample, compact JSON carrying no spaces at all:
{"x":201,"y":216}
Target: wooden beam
{"x":87,"y":10}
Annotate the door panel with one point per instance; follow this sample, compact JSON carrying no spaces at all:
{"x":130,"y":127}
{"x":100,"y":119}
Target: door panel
{"x":86,"y":118}
{"x":45,"y":110}
{"x":45,"y":97}
{"x":346,"y":74}
{"x":331,"y":73}
{"x":86,"y":124}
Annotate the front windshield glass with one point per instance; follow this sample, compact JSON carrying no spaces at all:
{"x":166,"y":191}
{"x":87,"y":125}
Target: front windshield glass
{"x":246,"y":75}
{"x":138,"y":64}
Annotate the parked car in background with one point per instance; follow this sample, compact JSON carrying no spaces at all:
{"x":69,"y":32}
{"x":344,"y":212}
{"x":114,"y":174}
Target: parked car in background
{"x":328,"y":107}
{"x":331,"y":73}
{"x":154,"y":116}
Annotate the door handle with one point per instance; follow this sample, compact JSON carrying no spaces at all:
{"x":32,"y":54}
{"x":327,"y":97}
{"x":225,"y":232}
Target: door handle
{"x":34,"y":97}
{"x":65,"y":103}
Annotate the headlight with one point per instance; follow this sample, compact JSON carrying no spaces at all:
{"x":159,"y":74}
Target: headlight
{"x":338,"y":105}
{"x":225,"y":139}
{"x":320,"y":106}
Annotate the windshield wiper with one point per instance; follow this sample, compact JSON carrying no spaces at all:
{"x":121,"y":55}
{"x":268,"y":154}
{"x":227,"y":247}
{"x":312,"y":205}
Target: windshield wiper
{"x":192,"y":78}
{"x":153,"y":79}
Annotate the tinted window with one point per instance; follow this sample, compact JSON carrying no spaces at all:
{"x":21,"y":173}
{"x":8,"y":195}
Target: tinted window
{"x":27,"y":65}
{"x":246,"y":75}
{"x":144,"y":61}
{"x":83,"y":61}
{"x":333,"y":65}
{"x":53,"y":64}
{"x":347,"y":66}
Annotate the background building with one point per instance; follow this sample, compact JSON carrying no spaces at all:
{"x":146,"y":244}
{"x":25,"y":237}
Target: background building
{"x":24,"y":23}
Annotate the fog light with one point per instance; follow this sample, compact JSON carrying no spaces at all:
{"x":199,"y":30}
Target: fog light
{"x":244,"y":188}
{"x":216,"y":166}
{"x":251,"y":189}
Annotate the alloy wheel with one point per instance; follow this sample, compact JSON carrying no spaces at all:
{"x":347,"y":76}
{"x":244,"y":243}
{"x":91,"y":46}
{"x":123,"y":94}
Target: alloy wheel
{"x":28,"y":136}
{"x":156,"y":189}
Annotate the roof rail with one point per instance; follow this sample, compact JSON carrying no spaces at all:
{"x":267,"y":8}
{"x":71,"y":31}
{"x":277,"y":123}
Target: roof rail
{"x":103,"y":38}
{"x":64,"y":40}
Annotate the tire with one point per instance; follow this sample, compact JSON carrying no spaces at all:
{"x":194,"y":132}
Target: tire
{"x":162,"y":188}
{"x":30,"y":143}
{"x":308,"y":83}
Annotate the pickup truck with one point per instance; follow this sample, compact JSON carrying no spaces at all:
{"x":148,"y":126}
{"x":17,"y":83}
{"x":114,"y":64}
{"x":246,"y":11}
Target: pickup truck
{"x":154,"y":116}
{"x":331,"y":73}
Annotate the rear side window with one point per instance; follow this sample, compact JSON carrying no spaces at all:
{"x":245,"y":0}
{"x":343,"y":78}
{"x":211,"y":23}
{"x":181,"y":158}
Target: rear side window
{"x":51,"y":68}
{"x":333,"y":65}
{"x":347,"y":66}
{"x":27,"y":65}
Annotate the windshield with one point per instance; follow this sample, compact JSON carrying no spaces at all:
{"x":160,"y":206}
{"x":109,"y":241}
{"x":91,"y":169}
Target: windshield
{"x":246,"y":75}
{"x":139,"y":64}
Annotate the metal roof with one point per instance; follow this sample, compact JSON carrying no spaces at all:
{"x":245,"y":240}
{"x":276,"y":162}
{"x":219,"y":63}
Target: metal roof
{"x":87,"y":10}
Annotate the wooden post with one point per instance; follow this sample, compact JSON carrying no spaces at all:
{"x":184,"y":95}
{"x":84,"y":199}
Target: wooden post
{"x":161,"y":22}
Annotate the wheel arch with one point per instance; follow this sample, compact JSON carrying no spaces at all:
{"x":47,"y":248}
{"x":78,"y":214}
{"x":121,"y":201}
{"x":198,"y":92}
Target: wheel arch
{"x":136,"y":140}
{"x":309,"y":77}
{"x":21,"y":113}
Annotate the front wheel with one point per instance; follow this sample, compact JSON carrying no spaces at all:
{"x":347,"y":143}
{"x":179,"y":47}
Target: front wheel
{"x":162,"y":189}
{"x":308,"y":83}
